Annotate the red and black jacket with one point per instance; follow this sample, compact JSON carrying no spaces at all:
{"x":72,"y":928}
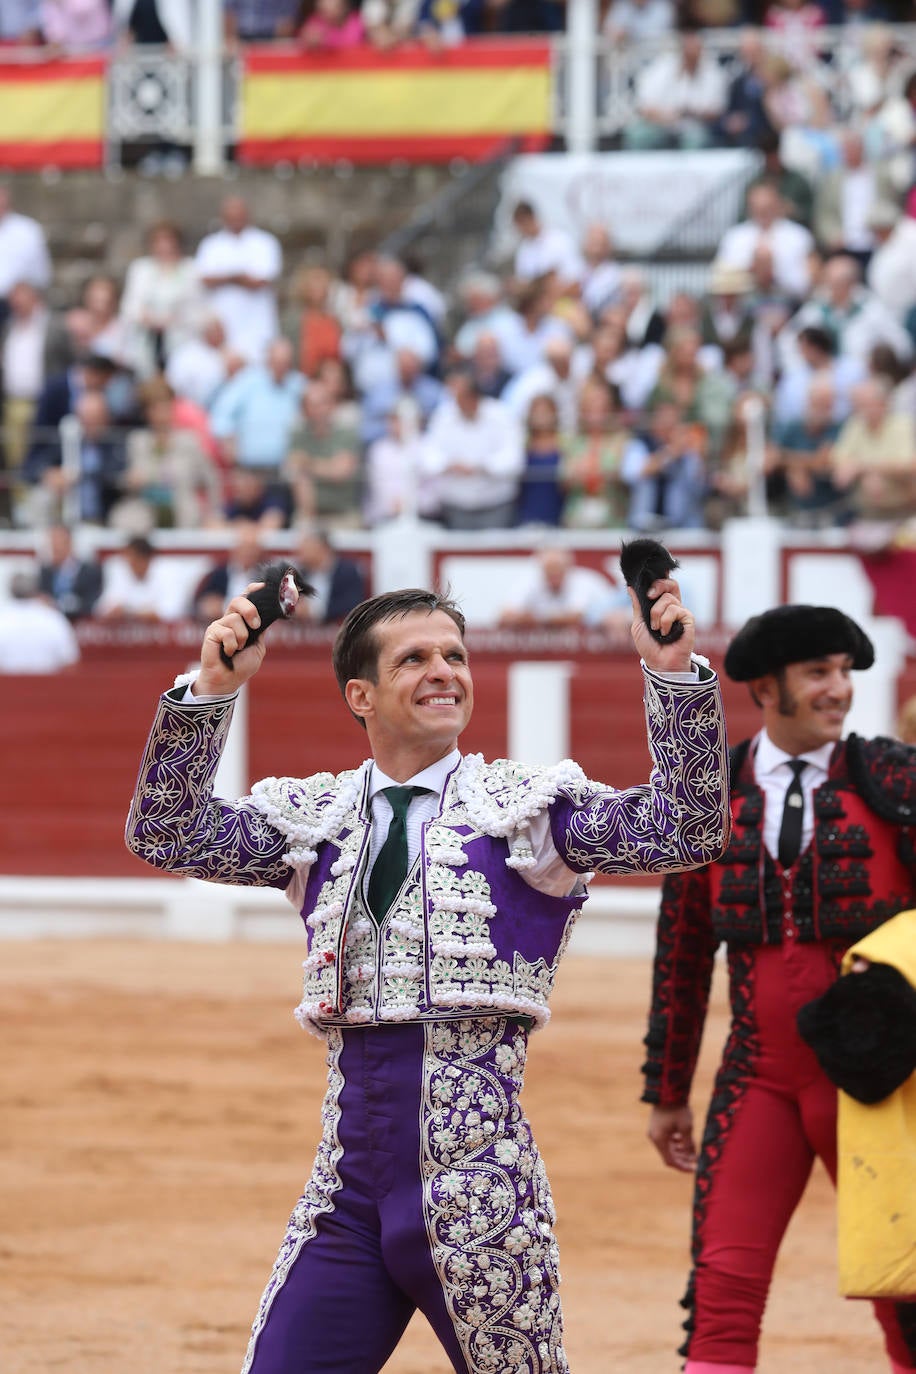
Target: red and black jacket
{"x":858,"y":870}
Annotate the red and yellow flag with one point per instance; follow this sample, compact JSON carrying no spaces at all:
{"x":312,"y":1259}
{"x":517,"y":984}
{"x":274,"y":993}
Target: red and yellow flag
{"x":365,"y":106}
{"x":52,"y":114}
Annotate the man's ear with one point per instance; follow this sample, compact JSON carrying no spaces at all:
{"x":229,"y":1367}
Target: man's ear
{"x":764,"y":690}
{"x":358,"y":696}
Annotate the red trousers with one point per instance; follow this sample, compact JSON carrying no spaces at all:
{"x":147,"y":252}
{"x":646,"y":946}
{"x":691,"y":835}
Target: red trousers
{"x":773,"y":1111}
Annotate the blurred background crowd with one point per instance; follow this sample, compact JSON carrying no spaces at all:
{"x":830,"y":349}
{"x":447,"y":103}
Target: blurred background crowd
{"x":91,"y":25}
{"x":217,"y":385}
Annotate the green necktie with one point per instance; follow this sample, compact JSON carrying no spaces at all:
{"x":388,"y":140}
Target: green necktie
{"x":390,"y":867}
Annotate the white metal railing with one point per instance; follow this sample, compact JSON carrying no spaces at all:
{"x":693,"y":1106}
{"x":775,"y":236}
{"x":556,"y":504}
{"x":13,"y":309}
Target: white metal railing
{"x":593,"y":63}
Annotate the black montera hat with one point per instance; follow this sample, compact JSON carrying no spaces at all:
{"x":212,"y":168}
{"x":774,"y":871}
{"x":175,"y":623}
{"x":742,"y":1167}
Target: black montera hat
{"x":791,"y":634}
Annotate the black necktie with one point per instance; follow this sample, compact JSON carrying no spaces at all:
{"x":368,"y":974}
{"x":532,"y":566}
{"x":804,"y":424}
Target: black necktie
{"x":390,"y":867}
{"x":790,"y":832}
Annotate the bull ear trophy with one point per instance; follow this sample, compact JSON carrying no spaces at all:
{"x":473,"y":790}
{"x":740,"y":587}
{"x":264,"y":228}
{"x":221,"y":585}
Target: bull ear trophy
{"x":642,"y":562}
{"x":276,"y":600}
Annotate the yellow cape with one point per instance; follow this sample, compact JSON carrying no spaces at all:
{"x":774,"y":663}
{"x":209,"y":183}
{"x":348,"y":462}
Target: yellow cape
{"x":876,"y":1181}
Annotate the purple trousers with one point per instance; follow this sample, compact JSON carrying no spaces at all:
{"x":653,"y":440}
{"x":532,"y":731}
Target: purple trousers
{"x":427,"y":1192}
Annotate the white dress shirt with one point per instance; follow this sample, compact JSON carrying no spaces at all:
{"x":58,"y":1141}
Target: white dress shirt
{"x":552,"y":250}
{"x":249,"y":316}
{"x":773,"y":778}
{"x":23,"y":253}
{"x":666,"y":84}
{"x":791,"y":245}
{"x":35,"y":638}
{"x":24,"y":356}
{"x":549,"y":873}
{"x":491,"y":444}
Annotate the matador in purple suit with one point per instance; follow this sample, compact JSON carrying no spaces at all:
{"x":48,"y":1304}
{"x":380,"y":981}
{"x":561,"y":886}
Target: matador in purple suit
{"x":438,"y":892}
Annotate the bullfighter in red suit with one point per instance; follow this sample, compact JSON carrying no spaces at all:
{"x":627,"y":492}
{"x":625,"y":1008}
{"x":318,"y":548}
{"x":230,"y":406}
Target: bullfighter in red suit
{"x":821,"y":852}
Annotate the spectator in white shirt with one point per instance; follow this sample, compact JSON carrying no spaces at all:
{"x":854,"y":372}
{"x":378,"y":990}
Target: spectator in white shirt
{"x":239,"y":266}
{"x":162,"y":302}
{"x":474,"y":453}
{"x":543,"y":251}
{"x":601,"y":276}
{"x":22,"y":367}
{"x":202,"y":364}
{"x":891,"y":272}
{"x":34,"y":637}
{"x":843,"y":201}
{"x":534,"y":326}
{"x":393,"y":485}
{"x":790,"y":244}
{"x":643,"y":322}
{"x":552,"y":376}
{"x":23,"y":252}
{"x":140,"y":584}
{"x":855,"y":316}
{"x":554,"y":591}
{"x":484,"y":310}
{"x":679,"y":96}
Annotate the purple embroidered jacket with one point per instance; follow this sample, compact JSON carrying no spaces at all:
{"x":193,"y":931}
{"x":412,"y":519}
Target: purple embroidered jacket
{"x":467,"y":934}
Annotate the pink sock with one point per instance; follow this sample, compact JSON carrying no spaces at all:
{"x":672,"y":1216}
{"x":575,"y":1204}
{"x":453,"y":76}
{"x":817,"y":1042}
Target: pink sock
{"x":704,"y":1367}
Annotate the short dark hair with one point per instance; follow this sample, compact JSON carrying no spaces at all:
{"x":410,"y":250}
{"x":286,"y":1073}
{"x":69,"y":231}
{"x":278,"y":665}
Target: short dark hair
{"x":355,"y":652}
{"x":818,"y":338}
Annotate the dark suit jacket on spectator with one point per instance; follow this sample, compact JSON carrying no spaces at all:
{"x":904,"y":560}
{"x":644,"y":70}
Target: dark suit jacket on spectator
{"x":57,"y":399}
{"x":347,"y":589}
{"x":74,"y":587}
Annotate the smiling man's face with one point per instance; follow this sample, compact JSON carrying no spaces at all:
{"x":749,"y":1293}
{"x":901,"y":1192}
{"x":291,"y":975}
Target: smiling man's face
{"x":807,"y":704}
{"x":423,"y":696}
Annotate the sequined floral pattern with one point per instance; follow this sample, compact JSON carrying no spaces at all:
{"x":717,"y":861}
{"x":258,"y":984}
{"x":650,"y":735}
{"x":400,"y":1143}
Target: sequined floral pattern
{"x":681,"y":818}
{"x":317,"y":1198}
{"x":489,"y":1213}
{"x":175,"y":824}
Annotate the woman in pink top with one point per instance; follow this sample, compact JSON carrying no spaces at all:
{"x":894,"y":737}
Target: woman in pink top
{"x":333,"y":26}
{"x":76,"y":26}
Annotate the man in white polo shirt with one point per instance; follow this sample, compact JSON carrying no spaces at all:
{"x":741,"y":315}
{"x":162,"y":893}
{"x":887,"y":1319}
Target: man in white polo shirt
{"x":239,"y":266}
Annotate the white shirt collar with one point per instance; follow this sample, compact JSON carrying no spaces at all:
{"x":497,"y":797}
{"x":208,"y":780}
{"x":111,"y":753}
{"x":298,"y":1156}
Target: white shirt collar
{"x":769,"y":756}
{"x":432,"y":777}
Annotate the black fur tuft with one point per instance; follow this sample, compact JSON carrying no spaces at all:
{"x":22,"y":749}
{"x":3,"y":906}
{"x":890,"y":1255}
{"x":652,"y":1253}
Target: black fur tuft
{"x":642,"y":562}
{"x":267,"y":599}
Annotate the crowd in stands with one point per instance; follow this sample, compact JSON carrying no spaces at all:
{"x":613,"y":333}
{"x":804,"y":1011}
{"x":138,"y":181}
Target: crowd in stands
{"x":219,"y":387}
{"x":81,"y":26}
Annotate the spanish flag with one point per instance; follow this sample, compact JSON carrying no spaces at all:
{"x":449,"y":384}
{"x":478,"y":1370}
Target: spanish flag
{"x":52,"y":114}
{"x":368,"y":107}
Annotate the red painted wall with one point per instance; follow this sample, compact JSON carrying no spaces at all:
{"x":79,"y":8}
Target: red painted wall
{"x":71,"y":743}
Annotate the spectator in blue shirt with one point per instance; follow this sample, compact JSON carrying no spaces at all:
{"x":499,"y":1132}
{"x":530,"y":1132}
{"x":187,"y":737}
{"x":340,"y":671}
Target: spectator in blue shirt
{"x":255,"y":413}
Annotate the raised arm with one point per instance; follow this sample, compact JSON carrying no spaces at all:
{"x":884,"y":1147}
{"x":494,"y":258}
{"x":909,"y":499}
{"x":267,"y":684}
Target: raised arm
{"x":175,"y":823}
{"x":678,"y":820}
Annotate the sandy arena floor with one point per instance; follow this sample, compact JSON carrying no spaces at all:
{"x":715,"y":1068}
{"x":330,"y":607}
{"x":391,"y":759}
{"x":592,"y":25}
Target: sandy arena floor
{"x":159,"y":1115}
